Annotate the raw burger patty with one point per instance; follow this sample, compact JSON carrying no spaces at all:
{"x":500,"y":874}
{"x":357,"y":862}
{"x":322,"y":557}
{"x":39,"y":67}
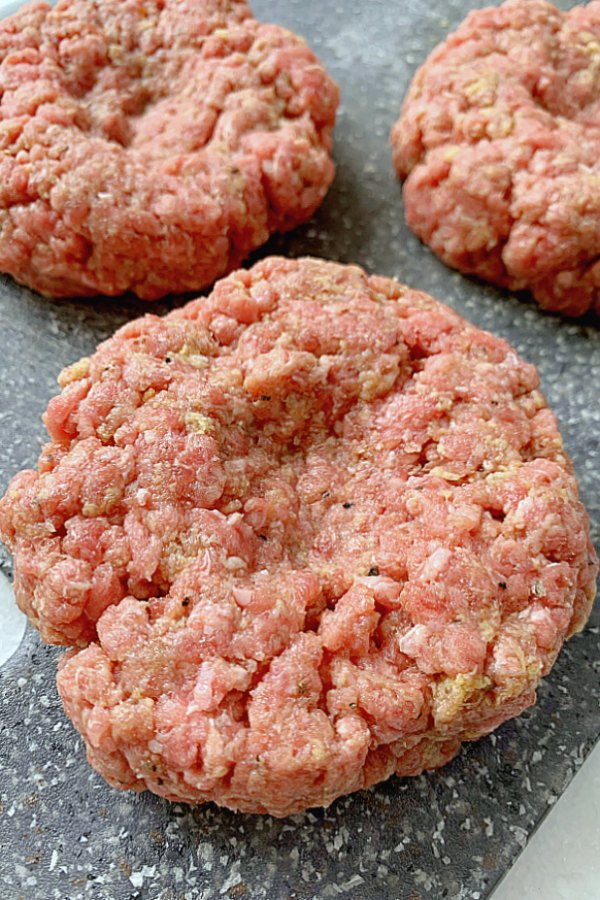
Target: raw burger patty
{"x":315,"y":529}
{"x":150,"y":146}
{"x":499,"y":143}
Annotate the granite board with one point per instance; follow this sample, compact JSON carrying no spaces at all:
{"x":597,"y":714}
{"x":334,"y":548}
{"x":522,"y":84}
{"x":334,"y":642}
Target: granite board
{"x":452,"y":834}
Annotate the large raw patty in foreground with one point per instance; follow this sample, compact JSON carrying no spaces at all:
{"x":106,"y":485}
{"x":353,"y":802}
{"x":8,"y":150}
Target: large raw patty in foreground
{"x":151,"y":146}
{"x":499,"y":143}
{"x":315,"y":529}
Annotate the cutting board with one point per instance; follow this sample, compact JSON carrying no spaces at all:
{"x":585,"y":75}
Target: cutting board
{"x":450,"y":834}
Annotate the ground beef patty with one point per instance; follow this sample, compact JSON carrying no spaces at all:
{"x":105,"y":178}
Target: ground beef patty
{"x":151,"y":146}
{"x":316,"y":529}
{"x":499,"y":143}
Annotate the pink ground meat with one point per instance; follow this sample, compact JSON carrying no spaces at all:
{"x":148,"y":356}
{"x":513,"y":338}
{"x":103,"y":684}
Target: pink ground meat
{"x":499,"y":146}
{"x":304,"y":533}
{"x":151,"y":146}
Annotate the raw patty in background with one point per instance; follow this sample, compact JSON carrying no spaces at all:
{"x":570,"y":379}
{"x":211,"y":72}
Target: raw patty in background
{"x":151,"y":147}
{"x":499,"y":142}
{"x":316,"y":529}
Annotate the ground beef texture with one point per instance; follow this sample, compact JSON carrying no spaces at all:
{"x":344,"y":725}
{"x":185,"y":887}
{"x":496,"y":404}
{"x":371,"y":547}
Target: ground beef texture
{"x":151,"y":146}
{"x":498,"y":144}
{"x":302,"y":534}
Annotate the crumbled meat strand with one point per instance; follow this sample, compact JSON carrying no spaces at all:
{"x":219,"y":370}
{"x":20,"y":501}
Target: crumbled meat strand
{"x":151,"y":147}
{"x":499,"y":143}
{"x":315,"y":529}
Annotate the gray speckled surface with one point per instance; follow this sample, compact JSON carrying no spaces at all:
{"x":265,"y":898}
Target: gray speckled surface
{"x":63,"y":832}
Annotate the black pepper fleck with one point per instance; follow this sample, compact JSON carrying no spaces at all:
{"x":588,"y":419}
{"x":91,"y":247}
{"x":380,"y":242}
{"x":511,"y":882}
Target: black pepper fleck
{"x":374,"y":570}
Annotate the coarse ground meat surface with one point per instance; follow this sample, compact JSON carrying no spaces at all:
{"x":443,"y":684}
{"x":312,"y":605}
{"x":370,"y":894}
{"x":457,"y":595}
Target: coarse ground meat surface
{"x":314,"y":529}
{"x":499,"y":143}
{"x":150,"y":146}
